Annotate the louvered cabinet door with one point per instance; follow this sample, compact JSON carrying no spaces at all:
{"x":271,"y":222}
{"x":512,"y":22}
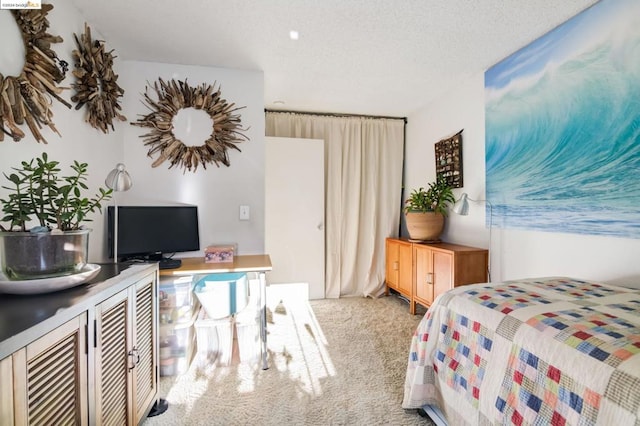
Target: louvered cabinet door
{"x":126,"y":379}
{"x":112,"y":362}
{"x":145,"y":380}
{"x":50,"y":378}
{"x":6,"y":391}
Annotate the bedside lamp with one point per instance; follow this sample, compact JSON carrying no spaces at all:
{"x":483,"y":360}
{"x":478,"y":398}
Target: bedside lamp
{"x":461,"y":207}
{"x":119,"y":181}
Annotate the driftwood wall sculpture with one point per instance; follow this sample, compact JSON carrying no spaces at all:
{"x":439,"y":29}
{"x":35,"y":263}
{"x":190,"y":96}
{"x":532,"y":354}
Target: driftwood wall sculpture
{"x":96,"y":84}
{"x":172,"y":96}
{"x":27,"y":97}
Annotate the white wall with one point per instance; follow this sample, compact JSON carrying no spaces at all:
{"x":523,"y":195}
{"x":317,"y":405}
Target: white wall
{"x":218,"y":192}
{"x":514,"y":253}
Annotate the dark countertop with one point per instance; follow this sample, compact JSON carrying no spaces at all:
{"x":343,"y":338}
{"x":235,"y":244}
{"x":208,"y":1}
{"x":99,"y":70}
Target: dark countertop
{"x":19,"y":313}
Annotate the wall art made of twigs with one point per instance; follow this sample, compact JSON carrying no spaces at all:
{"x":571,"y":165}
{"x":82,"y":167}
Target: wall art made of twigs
{"x":96,"y":84}
{"x":449,"y":160}
{"x":27,"y":97}
{"x":172,"y":96}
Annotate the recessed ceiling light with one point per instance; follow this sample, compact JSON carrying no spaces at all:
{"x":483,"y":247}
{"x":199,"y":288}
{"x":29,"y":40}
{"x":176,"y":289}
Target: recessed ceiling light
{"x":293,"y":35}
{"x":278,"y":102}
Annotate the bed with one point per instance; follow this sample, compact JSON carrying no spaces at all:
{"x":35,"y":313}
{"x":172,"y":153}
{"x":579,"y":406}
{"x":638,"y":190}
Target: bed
{"x":537,"y":351}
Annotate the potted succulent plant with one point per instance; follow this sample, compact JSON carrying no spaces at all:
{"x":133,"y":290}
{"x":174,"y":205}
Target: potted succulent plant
{"x":425,"y":210}
{"x":45,"y":212}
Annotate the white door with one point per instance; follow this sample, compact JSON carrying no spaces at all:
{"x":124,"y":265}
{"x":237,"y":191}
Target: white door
{"x":294,"y":212}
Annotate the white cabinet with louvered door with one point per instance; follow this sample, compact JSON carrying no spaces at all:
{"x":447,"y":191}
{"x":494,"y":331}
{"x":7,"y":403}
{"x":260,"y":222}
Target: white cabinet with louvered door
{"x":87,"y":355}
{"x":6,"y":390}
{"x":126,"y":357}
{"x":113,"y":336}
{"x":145,"y":355}
{"x":45,"y":382}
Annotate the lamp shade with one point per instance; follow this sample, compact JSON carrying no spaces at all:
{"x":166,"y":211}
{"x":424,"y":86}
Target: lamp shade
{"x":461,"y":206}
{"x":118,"y":179}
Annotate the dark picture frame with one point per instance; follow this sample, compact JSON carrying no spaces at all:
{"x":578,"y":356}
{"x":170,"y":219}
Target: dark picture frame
{"x":449,"y":160}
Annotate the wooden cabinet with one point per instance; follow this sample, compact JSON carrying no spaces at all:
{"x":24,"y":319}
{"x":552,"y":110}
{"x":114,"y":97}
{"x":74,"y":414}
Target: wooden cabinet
{"x":45,"y":383}
{"x":423,"y":276}
{"x":441,"y":267}
{"x":399,"y":274}
{"x":126,"y":359}
{"x":93,"y":359}
{"x":436,"y":268}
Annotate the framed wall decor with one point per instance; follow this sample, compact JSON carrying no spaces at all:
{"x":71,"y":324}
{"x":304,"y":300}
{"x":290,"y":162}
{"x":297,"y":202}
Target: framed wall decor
{"x":562,"y":146}
{"x":449,"y":160}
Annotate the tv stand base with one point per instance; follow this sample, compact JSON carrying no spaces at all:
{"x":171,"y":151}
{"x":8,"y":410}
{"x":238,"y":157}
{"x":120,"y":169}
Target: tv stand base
{"x":168,"y":263}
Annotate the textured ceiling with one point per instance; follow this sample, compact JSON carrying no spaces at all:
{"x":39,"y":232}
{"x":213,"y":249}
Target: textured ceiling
{"x":379,"y":57}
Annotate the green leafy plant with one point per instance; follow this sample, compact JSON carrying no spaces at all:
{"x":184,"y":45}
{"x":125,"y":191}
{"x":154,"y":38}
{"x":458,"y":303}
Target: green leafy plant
{"x":436,"y":198}
{"x":40,"y":193}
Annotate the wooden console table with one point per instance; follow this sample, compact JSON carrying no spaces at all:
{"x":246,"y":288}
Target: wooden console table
{"x":258,"y":263}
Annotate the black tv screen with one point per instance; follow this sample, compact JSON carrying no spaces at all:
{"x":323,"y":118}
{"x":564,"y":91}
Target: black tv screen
{"x":148,"y":232}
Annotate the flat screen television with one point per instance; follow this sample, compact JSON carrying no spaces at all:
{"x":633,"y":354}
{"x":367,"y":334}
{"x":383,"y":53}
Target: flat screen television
{"x":154,"y":233}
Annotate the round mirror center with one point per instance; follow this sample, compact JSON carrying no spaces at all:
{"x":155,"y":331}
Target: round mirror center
{"x":192,"y":126}
{"x":12,"y":54}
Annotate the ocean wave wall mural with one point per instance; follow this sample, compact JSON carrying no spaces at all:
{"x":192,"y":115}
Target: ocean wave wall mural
{"x":562,"y":122}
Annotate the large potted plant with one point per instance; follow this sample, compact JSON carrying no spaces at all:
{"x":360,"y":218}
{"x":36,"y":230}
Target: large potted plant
{"x":45,"y":212}
{"x":425,"y":210}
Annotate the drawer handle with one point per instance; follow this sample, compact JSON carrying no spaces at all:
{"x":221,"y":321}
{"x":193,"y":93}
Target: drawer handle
{"x":430,"y":278}
{"x":396,"y":265}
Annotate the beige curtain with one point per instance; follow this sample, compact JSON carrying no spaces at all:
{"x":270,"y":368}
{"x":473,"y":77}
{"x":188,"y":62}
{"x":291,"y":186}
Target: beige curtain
{"x":363,"y":181}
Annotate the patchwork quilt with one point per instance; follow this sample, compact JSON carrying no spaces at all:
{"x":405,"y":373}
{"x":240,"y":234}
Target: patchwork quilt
{"x":556,"y":351}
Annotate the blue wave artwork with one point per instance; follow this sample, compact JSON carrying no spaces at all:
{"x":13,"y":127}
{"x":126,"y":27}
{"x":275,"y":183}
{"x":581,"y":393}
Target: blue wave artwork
{"x":563,"y":127}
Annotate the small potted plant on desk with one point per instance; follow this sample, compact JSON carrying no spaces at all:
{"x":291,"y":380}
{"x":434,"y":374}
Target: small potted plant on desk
{"x":425,"y":211}
{"x":59,"y":243}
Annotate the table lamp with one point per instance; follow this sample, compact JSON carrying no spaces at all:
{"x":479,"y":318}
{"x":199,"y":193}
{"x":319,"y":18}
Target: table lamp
{"x":119,"y":181}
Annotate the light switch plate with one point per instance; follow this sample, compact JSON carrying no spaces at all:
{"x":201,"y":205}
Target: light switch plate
{"x":244,"y":213}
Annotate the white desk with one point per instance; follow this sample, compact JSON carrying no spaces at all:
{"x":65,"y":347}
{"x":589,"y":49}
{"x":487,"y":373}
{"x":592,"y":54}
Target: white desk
{"x":258,"y":263}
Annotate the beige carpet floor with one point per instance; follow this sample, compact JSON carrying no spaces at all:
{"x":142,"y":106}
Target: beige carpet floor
{"x":331,"y":362}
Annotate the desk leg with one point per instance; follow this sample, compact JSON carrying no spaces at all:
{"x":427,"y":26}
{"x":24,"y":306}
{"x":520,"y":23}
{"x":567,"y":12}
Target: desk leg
{"x":263,"y":318}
